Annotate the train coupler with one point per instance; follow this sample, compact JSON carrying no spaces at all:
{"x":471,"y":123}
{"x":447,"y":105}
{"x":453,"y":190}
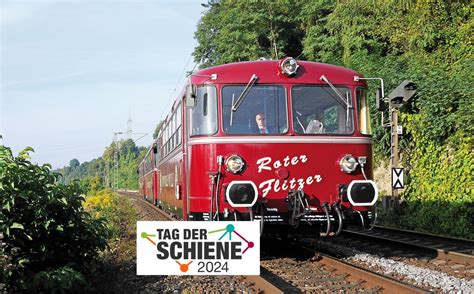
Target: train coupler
{"x":298,"y":207}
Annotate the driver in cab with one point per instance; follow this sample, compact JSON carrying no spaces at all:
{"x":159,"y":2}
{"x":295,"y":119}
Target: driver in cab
{"x":261,"y":123}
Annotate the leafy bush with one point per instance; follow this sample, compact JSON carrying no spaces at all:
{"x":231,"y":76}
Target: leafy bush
{"x":46,"y":231}
{"x":439,"y":196}
{"x":58,"y":280}
{"x":103,"y":205}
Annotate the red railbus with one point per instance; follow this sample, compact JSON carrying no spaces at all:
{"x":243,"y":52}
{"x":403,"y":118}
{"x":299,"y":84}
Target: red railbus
{"x":284,"y":142}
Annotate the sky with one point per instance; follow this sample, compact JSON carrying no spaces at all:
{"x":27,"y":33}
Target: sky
{"x":71,"y":71}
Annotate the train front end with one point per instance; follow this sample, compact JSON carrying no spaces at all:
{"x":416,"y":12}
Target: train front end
{"x":287,"y":143}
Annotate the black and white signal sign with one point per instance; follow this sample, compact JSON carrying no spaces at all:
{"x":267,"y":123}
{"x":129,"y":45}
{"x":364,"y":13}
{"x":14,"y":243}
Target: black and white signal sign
{"x":397,"y":178}
{"x":400,"y":130}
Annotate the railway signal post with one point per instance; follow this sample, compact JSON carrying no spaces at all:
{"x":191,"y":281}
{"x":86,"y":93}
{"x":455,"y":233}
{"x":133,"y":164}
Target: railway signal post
{"x":403,"y":94}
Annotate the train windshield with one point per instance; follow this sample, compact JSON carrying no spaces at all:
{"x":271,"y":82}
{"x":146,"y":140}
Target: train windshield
{"x":263,"y":111}
{"x":320,"y":110}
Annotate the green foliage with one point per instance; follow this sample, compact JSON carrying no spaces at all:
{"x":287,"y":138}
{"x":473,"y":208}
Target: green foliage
{"x":74,"y":163}
{"x":116,"y":167}
{"x":440,"y":194}
{"x":248,"y":30}
{"x":43,"y":224}
{"x":122,"y":242}
{"x":103,"y":205}
{"x":429,"y":42}
{"x":59,"y":280}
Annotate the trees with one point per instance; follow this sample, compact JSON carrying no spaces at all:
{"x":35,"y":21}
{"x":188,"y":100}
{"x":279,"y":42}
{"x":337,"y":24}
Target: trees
{"x":74,"y":163}
{"x":247,"y":30}
{"x":117,"y":165}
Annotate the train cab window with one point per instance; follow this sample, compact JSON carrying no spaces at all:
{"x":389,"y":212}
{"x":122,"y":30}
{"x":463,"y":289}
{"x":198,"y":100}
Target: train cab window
{"x":320,"y":110}
{"x":363,"y":112}
{"x":203,"y":116}
{"x":266,"y":102}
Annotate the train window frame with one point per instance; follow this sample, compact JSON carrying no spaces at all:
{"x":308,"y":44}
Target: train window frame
{"x":212,"y":113}
{"x":285,"y":103}
{"x":170,"y":138}
{"x":368,"y":119}
{"x":178,"y":125}
{"x":347,"y":88}
{"x":157,"y":158}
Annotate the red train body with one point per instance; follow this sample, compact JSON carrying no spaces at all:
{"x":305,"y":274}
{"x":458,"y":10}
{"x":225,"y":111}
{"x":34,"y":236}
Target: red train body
{"x":308,"y":169}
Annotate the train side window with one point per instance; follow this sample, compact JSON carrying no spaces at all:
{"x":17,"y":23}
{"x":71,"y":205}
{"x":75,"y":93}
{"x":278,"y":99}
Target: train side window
{"x":178,"y":123}
{"x":172,"y":131}
{"x":204,"y":104}
{"x":203,"y":117}
{"x":363,"y":112}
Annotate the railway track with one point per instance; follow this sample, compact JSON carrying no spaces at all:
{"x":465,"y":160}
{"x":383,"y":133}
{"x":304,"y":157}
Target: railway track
{"x":306,"y":270}
{"x":439,"y":247}
{"x":300,"y":269}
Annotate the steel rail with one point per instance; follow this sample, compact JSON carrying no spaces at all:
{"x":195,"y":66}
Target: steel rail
{"x":139,"y":198}
{"x":436,"y":238}
{"x":440,"y":248}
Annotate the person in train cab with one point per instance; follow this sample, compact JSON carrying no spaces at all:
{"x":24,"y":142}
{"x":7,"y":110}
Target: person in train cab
{"x":316,"y":126}
{"x":261,"y":123}
{"x":309,"y":123}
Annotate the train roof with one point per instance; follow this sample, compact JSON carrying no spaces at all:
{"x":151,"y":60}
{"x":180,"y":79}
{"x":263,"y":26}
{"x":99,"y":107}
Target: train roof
{"x":268,"y":71}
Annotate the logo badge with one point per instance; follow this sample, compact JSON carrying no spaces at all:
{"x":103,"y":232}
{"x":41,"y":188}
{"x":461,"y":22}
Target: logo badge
{"x":198,"y":248}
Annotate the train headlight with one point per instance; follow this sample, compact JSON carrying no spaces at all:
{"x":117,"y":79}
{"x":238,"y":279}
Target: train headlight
{"x":234,"y":164}
{"x":362,"y":193}
{"x":241,"y":194}
{"x":348,"y":164}
{"x":289,"y":66}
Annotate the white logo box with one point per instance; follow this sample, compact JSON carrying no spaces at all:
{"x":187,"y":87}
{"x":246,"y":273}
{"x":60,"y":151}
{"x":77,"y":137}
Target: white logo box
{"x":198,"y":248}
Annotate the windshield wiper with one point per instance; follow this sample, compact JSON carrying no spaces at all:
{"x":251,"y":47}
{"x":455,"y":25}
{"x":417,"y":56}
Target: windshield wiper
{"x":344,"y":101}
{"x":244,"y":93}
